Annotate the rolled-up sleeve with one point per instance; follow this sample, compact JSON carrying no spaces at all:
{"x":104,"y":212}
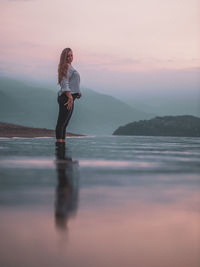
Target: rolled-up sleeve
{"x":65,"y":84}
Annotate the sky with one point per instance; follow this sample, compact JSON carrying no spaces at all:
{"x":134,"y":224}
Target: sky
{"x":119,"y":46}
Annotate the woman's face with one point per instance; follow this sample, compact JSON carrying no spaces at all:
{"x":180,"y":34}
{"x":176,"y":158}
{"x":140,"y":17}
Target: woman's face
{"x":69,"y":57}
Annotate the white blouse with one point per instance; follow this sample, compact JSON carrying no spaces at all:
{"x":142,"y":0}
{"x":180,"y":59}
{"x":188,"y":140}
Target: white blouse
{"x":71,"y":83}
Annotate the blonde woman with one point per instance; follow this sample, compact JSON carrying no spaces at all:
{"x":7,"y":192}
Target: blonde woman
{"x":69,"y":81}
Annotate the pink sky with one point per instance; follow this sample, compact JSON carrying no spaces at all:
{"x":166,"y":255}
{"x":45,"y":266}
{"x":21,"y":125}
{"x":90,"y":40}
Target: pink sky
{"x":127,"y":36}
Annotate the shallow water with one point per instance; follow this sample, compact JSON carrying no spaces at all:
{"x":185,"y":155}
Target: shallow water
{"x":104,"y":201}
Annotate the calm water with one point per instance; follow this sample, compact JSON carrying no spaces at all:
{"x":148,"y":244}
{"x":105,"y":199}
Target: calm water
{"x":112,"y":201}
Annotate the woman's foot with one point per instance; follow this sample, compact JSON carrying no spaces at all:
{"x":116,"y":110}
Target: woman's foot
{"x":60,"y":140}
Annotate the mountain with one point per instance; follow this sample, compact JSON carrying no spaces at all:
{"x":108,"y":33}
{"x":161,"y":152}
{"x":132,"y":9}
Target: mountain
{"x":164,"y":103}
{"x":185,"y":125}
{"x":35,"y":106}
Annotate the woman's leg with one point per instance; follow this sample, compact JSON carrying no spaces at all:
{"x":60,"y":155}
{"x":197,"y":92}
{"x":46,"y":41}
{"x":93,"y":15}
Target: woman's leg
{"x":63,"y":118}
{"x":66,"y":121}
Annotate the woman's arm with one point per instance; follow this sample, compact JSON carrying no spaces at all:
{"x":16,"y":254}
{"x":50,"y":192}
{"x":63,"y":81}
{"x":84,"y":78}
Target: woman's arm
{"x":65,"y":84}
{"x":67,"y":91}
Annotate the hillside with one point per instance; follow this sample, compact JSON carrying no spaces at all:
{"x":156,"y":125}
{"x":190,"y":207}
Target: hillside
{"x":14,"y":130}
{"x":33,"y":106}
{"x":185,"y":125}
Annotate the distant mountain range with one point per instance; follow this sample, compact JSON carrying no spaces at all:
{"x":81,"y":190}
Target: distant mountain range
{"x":33,"y":106}
{"x":166,"y":102}
{"x":186,"y":125}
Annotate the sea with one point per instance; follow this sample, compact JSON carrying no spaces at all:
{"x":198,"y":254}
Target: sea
{"x":100,"y":201}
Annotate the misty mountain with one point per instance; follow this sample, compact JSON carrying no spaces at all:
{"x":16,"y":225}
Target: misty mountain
{"x":166,"y":102}
{"x":36,"y":106}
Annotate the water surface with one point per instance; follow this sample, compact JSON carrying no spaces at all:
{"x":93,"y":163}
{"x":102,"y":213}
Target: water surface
{"x":103,"y":201}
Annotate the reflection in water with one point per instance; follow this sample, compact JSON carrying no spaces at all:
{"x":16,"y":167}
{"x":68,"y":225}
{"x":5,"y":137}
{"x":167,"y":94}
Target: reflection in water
{"x":132,"y":213}
{"x":67,"y":188}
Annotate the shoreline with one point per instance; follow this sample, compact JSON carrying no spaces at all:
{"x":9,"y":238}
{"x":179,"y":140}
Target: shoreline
{"x":9,"y":130}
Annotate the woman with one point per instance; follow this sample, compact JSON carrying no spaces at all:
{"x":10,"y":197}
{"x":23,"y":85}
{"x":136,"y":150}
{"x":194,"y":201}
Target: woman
{"x":69,"y":80}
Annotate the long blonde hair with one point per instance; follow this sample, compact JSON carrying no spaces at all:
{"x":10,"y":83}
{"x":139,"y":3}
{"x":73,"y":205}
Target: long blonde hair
{"x":63,"y":64}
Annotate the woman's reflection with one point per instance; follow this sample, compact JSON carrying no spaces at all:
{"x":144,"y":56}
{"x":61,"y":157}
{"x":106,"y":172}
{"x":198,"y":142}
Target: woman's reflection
{"x":66,"y":203}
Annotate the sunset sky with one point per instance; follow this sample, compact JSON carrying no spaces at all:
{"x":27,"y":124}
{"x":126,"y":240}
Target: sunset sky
{"x":116,"y":43}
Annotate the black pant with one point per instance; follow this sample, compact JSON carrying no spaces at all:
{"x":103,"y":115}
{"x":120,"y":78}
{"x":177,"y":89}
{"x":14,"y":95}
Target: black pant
{"x":64,"y":115}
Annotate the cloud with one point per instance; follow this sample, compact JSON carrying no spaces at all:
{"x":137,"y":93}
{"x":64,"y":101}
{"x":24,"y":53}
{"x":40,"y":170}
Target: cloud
{"x":20,"y":0}
{"x":114,"y":62}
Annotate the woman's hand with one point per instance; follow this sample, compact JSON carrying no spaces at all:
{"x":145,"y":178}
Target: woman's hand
{"x":69,"y":103}
{"x":79,"y":95}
